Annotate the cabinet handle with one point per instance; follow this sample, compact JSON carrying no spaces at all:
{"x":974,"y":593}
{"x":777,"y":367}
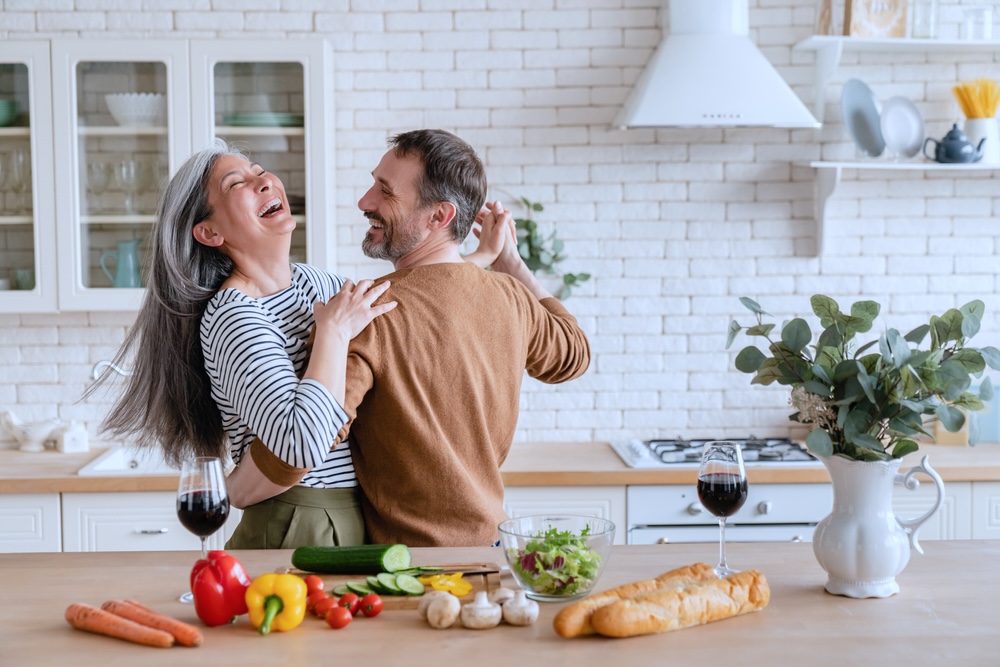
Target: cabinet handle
{"x":695,"y":508}
{"x":764,"y":507}
{"x":663,"y":540}
{"x":797,"y":538}
{"x":151,"y":531}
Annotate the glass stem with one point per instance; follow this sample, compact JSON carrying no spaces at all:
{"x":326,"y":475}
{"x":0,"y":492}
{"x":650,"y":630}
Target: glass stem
{"x":204,"y":549}
{"x":722,"y":544}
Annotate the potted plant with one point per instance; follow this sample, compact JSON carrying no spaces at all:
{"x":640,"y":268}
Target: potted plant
{"x":866,"y":403}
{"x":544,"y":253}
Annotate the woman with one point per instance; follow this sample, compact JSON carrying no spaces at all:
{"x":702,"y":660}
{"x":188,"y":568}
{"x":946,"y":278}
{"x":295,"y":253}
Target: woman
{"x":221,"y":354}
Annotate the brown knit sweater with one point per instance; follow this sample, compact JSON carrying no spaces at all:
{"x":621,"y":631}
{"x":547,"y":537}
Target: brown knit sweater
{"x":432,"y":395}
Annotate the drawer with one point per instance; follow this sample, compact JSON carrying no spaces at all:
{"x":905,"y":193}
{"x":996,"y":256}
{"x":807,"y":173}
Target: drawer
{"x":685,"y":534}
{"x":766,"y":504}
{"x":29,"y":522}
{"x":142,"y":521}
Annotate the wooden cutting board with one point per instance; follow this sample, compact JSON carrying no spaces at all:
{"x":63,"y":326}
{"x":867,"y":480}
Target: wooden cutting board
{"x":482,"y":576}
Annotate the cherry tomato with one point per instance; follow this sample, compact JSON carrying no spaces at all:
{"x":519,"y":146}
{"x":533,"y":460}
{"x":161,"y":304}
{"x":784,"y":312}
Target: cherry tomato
{"x":314,"y":598}
{"x":338,"y":617}
{"x":371,"y":605}
{"x":314,"y":583}
{"x":324,"y":606}
{"x":351,"y":602}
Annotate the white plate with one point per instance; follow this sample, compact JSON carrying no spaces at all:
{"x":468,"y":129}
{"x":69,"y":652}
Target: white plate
{"x":861,"y":117}
{"x":902,"y":127}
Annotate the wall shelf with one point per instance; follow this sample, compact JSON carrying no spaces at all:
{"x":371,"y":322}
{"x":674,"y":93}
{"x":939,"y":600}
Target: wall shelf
{"x":828,"y":178}
{"x":830,"y":49}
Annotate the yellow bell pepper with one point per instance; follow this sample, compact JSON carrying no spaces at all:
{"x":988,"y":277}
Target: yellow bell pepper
{"x":276,"y":601}
{"x":451,"y":583}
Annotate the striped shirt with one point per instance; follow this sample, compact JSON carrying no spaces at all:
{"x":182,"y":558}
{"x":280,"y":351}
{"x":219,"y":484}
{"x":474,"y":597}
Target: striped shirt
{"x":255,"y":350}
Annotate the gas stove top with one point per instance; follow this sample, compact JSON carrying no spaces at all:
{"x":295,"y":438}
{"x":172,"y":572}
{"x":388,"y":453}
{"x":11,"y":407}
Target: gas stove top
{"x":679,"y":452}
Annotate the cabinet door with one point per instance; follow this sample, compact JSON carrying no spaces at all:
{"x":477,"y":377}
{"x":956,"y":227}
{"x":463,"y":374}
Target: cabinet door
{"x":951,"y":522}
{"x":27,"y":218}
{"x":605,"y":502}
{"x":274,"y":100}
{"x":123,"y":128}
{"x":985,"y":510}
{"x":141,"y":521}
{"x":29,"y":522}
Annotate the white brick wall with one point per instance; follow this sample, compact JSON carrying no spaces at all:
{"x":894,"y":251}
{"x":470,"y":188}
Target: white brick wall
{"x":674,"y":224}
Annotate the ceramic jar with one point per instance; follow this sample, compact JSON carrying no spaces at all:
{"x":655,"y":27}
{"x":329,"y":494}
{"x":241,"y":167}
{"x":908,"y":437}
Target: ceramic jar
{"x":862,"y":544}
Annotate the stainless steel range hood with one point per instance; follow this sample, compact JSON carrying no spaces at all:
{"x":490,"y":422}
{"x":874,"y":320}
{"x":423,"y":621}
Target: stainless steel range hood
{"x":707,"y":73}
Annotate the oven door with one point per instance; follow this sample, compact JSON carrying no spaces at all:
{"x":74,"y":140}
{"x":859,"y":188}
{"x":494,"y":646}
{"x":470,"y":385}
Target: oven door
{"x":737,"y":533}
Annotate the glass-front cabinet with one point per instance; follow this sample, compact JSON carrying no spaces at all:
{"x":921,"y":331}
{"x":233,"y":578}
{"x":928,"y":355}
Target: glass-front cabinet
{"x":123,"y":127}
{"x":274,"y":102}
{"x":27,"y":219}
{"x":91,"y":131}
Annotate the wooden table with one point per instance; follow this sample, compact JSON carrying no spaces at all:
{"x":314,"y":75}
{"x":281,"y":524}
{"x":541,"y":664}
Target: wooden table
{"x":948,"y":613}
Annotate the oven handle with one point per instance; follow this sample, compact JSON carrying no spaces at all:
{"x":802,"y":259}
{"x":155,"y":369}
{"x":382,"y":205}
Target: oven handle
{"x":694,"y":509}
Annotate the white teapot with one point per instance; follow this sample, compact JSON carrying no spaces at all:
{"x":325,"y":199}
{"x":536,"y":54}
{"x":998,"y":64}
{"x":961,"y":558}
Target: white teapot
{"x":31,"y":437}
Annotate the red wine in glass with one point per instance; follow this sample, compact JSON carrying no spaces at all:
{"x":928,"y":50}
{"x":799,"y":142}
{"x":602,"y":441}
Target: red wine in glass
{"x":722,"y":489}
{"x":202,"y":512}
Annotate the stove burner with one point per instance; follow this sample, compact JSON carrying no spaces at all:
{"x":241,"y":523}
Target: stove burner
{"x":756,"y":449}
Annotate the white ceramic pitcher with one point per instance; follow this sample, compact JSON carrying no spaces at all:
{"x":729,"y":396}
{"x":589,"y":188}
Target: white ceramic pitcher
{"x":862,"y":544}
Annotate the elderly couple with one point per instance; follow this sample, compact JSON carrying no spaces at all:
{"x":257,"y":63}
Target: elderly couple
{"x":378,"y":411}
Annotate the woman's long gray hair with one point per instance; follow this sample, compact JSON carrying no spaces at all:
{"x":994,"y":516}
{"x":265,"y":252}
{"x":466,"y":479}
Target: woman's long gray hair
{"x":167,"y":400}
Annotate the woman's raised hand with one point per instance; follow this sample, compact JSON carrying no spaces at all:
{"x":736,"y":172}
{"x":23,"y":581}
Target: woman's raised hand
{"x":496,"y":231}
{"x":351,"y":309}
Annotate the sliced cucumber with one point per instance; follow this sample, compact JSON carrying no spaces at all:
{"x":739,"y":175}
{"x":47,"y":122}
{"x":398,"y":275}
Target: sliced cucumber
{"x":359,"y":588}
{"x":422,"y":569}
{"x":409,"y":584}
{"x":388,"y":582}
{"x":342,"y":589}
{"x":374,"y":584}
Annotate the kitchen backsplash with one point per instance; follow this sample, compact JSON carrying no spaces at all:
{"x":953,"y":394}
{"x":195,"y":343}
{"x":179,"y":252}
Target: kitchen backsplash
{"x":673,"y":224}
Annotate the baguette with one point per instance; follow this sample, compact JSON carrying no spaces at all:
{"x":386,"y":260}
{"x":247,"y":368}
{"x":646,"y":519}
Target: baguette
{"x":574,"y":620}
{"x":702,"y":602}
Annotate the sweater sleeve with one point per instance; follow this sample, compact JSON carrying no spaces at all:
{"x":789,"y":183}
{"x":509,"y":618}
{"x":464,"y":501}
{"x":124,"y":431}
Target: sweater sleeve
{"x":246,"y":359}
{"x":557,"y":348}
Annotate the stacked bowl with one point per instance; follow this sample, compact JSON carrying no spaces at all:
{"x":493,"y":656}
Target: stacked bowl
{"x":137,"y":109}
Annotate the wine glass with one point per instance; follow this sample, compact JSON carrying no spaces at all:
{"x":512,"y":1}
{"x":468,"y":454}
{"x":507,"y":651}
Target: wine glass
{"x":202,"y":500}
{"x":20,"y":179}
{"x":722,"y":489}
{"x":129,"y":176}
{"x":98,"y":180}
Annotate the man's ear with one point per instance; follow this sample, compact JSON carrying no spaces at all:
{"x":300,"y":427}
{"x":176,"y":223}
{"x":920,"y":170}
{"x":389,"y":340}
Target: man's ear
{"x":442,"y":215}
{"x":205,"y":235}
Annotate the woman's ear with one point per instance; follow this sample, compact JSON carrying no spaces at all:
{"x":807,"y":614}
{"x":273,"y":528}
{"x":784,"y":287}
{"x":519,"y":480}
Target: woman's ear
{"x":205,"y":235}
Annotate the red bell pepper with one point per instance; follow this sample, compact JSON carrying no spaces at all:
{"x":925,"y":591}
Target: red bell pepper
{"x":219,"y":584}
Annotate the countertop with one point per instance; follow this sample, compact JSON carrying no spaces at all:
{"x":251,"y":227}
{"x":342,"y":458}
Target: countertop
{"x":529,"y":464}
{"x":945,"y":614}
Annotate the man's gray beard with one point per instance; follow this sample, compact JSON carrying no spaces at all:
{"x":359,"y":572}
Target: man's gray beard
{"x":392,"y":247}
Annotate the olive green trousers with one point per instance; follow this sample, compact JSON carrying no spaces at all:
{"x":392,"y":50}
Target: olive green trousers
{"x":302,"y":516}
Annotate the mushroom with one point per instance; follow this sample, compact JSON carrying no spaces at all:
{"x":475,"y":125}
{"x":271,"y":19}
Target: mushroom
{"x":520,"y":610}
{"x":481,"y":613}
{"x":501,"y":596}
{"x":427,"y":598}
{"x":443,"y":611}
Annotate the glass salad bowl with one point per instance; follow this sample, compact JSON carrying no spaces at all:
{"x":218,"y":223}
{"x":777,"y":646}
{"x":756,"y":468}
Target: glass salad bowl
{"x":556,"y":558}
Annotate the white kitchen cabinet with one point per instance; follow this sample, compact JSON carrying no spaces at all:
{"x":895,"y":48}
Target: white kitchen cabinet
{"x":29,"y":522}
{"x":135,"y":521}
{"x":605,"y":502}
{"x":985,"y":510}
{"x":88,"y":207}
{"x":952,"y":521}
{"x":27,"y":219}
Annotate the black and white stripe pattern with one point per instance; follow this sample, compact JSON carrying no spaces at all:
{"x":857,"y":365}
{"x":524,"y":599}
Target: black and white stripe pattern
{"x":254,"y":349}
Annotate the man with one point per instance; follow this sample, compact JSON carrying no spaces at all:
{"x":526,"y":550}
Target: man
{"x":433,"y":386}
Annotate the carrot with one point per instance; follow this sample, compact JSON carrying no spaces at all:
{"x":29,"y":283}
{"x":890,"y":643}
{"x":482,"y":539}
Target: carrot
{"x":184,"y":633}
{"x":98,"y":621}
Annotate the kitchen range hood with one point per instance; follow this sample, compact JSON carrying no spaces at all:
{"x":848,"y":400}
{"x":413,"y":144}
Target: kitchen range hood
{"x":707,"y":73}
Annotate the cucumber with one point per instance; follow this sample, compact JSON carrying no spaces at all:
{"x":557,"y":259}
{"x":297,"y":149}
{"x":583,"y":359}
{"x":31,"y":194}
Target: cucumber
{"x":388,"y":582}
{"x":376,"y":586}
{"x":362,"y":559}
{"x":341,"y":590}
{"x":420,"y":569}
{"x":409,"y":584}
{"x":359,"y":588}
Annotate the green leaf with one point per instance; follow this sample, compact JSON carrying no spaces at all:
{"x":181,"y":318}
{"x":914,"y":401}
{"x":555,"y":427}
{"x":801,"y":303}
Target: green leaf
{"x":904,"y":447}
{"x":819,"y":443}
{"x":860,"y":350}
{"x":970,"y":325}
{"x":821,"y":373}
{"x":831,"y":337}
{"x":844,"y":370}
{"x":796,"y":335}
{"x":951,"y":418}
{"x":916,"y":336}
{"x":734,"y":329}
{"x":749,"y":359}
{"x":760,"y":330}
{"x":972,"y":361}
{"x":898,"y":348}
{"x":867,"y":383}
{"x":753,"y":306}
{"x":818,"y":388}
{"x":825,"y":308}
{"x":866,"y":441}
{"x":865,"y":312}
{"x":986,"y":390}
{"x":949,"y":326}
{"x":992,"y":356}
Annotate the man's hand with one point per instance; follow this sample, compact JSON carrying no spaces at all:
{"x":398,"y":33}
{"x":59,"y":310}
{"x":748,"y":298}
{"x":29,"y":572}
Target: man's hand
{"x":496,"y":230}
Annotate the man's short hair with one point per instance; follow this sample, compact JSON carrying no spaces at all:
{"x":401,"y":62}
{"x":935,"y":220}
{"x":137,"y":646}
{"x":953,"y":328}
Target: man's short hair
{"x":452,"y":173}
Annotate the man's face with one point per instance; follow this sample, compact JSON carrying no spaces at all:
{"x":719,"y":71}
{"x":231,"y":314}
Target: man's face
{"x":397,"y":223}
